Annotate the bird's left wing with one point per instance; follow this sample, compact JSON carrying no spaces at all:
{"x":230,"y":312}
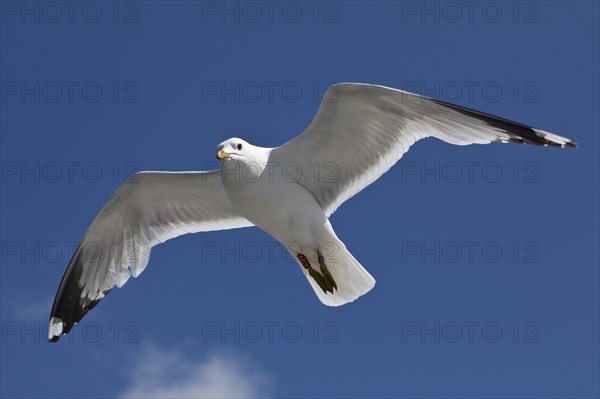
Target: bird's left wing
{"x":149,"y":208}
{"x":361,"y":130}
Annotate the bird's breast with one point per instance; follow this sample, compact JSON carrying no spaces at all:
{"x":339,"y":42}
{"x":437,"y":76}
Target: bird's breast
{"x":279,"y":207}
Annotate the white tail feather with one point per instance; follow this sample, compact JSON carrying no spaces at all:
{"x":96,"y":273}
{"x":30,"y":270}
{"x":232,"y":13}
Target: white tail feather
{"x":351,"y":278}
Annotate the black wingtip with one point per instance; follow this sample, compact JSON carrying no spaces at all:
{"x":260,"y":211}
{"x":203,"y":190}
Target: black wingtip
{"x":520,"y":133}
{"x":69,"y":307}
{"x":54,"y":339}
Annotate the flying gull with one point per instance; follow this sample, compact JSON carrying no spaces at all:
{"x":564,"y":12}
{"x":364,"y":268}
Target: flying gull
{"x":359,"y":132}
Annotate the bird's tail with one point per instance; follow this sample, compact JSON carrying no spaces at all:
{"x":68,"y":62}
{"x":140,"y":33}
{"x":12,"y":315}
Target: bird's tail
{"x":334,"y":274}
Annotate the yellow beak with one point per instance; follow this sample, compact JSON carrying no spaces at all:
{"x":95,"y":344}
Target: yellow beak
{"x":223,"y":155}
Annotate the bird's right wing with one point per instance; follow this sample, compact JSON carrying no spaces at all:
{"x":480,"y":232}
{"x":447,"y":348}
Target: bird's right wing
{"x":149,"y":208}
{"x":361,"y":130}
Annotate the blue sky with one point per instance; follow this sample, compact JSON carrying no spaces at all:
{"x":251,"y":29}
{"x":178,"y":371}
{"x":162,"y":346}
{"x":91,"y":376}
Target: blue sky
{"x":486,"y":257}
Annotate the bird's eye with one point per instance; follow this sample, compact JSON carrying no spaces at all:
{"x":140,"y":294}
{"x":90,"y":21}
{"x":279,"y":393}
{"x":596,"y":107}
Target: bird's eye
{"x":239,"y":146}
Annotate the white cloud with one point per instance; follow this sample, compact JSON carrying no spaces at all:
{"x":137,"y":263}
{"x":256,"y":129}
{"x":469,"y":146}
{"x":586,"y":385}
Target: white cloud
{"x":169,"y":374}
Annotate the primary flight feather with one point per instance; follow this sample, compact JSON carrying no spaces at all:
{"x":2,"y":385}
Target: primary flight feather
{"x":359,"y":132}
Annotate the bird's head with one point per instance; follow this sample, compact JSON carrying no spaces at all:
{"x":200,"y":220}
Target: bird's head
{"x":234,"y":149}
{"x":239,"y":150}
{"x":236,"y":154}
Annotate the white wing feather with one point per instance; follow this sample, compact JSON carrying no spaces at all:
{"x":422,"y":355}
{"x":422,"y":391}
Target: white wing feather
{"x":149,"y":208}
{"x":361,"y":131}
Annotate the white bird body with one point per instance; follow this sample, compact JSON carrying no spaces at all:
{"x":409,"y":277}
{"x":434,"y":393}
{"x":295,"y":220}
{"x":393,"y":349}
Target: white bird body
{"x":279,"y":206}
{"x":285,"y":210}
{"x":359,"y":132}
{"x":268,"y":194}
